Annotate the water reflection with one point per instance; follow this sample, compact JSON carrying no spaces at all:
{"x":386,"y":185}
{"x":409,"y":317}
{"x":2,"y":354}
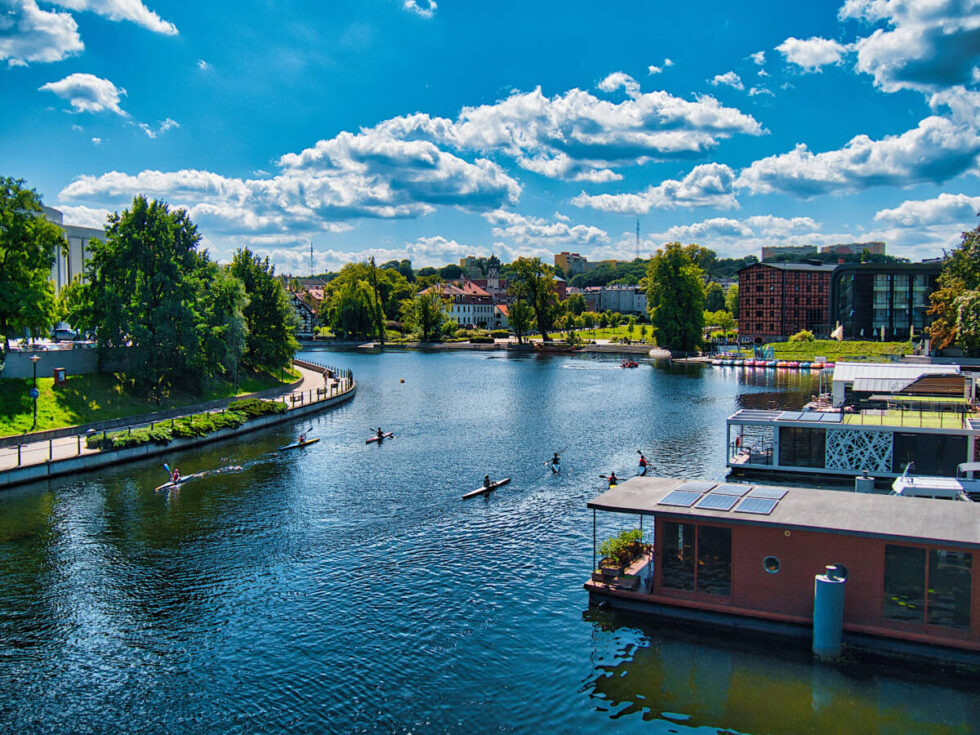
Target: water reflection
{"x":742,"y":683}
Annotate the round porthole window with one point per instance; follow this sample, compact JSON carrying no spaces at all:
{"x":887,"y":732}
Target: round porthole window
{"x":771,"y":564}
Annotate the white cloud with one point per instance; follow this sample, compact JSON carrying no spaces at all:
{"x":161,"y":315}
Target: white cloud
{"x":653,"y":69}
{"x":710,"y":184}
{"x":728,"y":79}
{"x":935,"y":151}
{"x":427,"y":9}
{"x":759,"y":57}
{"x":525,"y":230}
{"x":28,"y":33}
{"x":812,"y":53}
{"x":203,"y":65}
{"x":927,"y":45}
{"x":97,"y":141}
{"x":761,"y":91}
{"x":760,"y":226}
{"x":88,"y":93}
{"x":619,"y":79}
{"x":131,"y":10}
{"x":162,"y":128}
{"x":94,"y":217}
{"x":942,"y":210}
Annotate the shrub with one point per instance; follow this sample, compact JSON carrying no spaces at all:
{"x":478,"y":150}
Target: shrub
{"x":499,"y":333}
{"x":624,"y":547}
{"x":804,"y":335}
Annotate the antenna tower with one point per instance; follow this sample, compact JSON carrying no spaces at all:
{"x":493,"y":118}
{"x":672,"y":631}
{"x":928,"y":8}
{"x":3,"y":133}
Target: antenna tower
{"x":312,"y":273}
{"x":637,"y":238}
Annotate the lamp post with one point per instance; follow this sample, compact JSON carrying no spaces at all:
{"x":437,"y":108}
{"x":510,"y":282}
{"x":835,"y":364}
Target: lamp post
{"x":34,"y":392}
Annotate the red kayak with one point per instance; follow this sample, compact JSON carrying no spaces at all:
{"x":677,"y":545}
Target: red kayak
{"x":386,"y":435}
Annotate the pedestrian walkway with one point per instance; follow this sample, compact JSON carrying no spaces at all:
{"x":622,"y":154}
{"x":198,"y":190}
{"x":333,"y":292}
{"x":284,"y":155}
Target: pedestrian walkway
{"x":315,"y":386}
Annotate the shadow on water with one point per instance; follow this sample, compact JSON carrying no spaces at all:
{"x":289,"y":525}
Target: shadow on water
{"x":739,"y":682}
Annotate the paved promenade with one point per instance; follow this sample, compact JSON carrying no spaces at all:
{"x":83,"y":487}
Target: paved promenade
{"x":40,"y":452}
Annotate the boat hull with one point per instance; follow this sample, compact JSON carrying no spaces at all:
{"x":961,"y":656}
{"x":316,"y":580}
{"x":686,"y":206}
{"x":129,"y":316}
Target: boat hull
{"x":483,"y":490}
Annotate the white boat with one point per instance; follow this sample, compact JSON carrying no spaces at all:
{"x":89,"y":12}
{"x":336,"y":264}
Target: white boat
{"x":961,"y":487}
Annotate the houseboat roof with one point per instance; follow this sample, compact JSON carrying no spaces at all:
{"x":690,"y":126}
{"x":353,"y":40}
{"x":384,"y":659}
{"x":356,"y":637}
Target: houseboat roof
{"x":886,"y":377}
{"x":893,"y":418}
{"x":916,"y":520}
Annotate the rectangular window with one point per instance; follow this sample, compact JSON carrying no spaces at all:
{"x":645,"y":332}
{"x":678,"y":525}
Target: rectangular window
{"x":677,"y":566}
{"x":950,"y":578}
{"x":938,"y":595}
{"x":802,"y":447}
{"x":714,"y":560}
{"x":905,"y":583}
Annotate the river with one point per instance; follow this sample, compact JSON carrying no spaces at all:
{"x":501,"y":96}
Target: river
{"x":347,"y":588}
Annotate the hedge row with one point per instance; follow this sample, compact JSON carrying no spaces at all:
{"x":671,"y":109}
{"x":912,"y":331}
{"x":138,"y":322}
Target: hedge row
{"x":188,"y":427}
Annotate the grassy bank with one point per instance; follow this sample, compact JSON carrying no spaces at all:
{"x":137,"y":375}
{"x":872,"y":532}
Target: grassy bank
{"x":88,"y":398}
{"x":834,"y":350}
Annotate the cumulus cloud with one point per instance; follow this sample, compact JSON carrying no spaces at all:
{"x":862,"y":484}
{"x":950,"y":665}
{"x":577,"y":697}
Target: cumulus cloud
{"x":28,"y":34}
{"x":84,"y":216}
{"x":203,"y":65}
{"x":88,"y":93}
{"x":131,"y":10}
{"x":525,"y":230}
{"x":759,"y":57}
{"x":942,"y":210}
{"x":619,"y":79}
{"x":710,"y":184}
{"x":426,"y":9}
{"x":926,"y":44}
{"x":812,"y":53}
{"x":652,"y":69}
{"x":934,"y":151}
{"x":761,"y":91}
{"x":728,"y":79}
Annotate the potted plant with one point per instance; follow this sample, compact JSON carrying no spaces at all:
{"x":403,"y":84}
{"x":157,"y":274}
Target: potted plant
{"x":619,"y":551}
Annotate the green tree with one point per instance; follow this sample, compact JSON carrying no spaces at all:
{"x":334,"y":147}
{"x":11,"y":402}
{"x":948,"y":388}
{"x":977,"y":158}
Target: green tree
{"x":451,"y":272}
{"x":731,"y":300}
{"x":389,"y":284}
{"x":719,"y":318}
{"x":960,"y":275}
{"x":28,"y":246}
{"x":269,"y":317}
{"x":575,"y":303}
{"x":350,"y":308}
{"x":142,"y":291}
{"x":519,"y":316}
{"x":676,"y":297}
{"x":425,"y":315}
{"x":589,"y":321}
{"x":714,"y":297}
{"x":532,"y":282}
{"x":224,"y":330}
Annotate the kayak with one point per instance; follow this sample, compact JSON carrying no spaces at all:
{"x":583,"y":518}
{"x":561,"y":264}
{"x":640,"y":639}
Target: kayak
{"x":181,"y":481}
{"x":386,"y":435}
{"x":483,"y":489}
{"x":297,"y":445}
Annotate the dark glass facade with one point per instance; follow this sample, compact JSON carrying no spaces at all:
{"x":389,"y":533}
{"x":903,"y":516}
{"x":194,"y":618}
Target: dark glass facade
{"x":866,"y":298}
{"x":800,"y":447}
{"x":931,"y":587}
{"x":711,"y":546}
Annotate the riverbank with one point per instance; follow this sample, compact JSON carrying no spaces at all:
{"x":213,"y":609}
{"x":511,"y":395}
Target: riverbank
{"x":318,"y":389}
{"x":603,"y":348}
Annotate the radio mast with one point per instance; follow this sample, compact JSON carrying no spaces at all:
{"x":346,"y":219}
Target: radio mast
{"x":637,"y":238}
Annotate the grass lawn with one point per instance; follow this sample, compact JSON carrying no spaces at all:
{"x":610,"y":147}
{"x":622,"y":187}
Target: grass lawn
{"x":834,"y":350}
{"x":88,"y":398}
{"x":930,"y":419}
{"x":612,"y":333}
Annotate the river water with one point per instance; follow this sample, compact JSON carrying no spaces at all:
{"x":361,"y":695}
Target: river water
{"x":347,"y":587}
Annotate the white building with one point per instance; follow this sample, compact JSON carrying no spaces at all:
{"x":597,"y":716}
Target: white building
{"x":621,"y":299}
{"x":69,"y":264}
{"x":470,"y":305}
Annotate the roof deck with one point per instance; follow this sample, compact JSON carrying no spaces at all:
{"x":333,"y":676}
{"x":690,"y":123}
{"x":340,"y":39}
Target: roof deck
{"x":921,"y":520}
{"x":894,"y":417}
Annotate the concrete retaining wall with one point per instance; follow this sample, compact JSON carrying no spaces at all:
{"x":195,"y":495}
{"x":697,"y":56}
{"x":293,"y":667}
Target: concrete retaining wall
{"x":77,"y":361}
{"x":87,"y":462}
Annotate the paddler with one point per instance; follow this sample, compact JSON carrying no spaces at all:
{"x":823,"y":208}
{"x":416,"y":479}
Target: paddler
{"x":486,"y":481}
{"x":613,"y":480}
{"x":380,"y":434}
{"x":643,"y":464}
{"x":555,"y":463}
{"x":302,"y":438}
{"x":175,"y":476}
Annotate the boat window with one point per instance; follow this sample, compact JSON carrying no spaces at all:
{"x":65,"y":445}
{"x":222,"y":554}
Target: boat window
{"x":677,"y":565}
{"x":771,"y":564}
{"x":905,"y":583}
{"x":714,"y":575}
{"x":802,"y":447}
{"x":950,"y":577}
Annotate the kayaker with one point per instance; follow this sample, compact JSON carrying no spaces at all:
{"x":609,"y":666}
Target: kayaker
{"x":643,"y":465}
{"x":380,"y":434}
{"x":555,"y":463}
{"x":486,"y":481}
{"x":613,"y":480}
{"x":302,"y":438}
{"x":175,"y":476}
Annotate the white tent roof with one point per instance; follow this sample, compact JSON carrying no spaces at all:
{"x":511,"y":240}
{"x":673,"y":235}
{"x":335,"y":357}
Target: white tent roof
{"x":887,"y":377}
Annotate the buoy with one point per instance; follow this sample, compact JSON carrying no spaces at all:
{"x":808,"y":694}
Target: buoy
{"x":828,"y":613}
{"x":403,"y":380}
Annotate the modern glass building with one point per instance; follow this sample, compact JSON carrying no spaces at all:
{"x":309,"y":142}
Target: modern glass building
{"x":868,"y":297}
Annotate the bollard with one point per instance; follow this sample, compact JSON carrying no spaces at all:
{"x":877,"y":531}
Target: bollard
{"x":18,"y":454}
{"x":828,"y":613}
{"x":79,"y":437}
{"x":50,"y":449}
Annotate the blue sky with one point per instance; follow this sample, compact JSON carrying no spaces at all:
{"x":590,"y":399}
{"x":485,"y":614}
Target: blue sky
{"x":407,"y":128}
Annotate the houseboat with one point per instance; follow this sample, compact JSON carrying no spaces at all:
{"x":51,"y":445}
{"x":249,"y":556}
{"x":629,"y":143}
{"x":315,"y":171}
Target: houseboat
{"x":872,"y":418}
{"x":744,"y":557}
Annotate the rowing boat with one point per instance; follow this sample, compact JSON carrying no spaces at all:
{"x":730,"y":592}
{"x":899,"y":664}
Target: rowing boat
{"x":297,"y":445}
{"x":386,"y":435}
{"x":483,"y":489}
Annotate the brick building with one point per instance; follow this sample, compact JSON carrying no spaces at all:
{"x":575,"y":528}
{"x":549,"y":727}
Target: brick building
{"x":777,"y":300}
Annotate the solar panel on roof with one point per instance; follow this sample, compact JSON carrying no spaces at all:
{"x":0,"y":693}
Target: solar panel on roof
{"x":717,"y":502}
{"x":730,"y":488}
{"x":681,"y":500}
{"x":831,"y":418}
{"x":696,"y":486}
{"x":790,"y":415}
{"x":774,"y":493}
{"x":811,"y":416}
{"x":759,"y":506}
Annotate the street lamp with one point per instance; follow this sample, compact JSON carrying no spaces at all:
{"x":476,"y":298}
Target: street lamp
{"x":34,"y":392}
